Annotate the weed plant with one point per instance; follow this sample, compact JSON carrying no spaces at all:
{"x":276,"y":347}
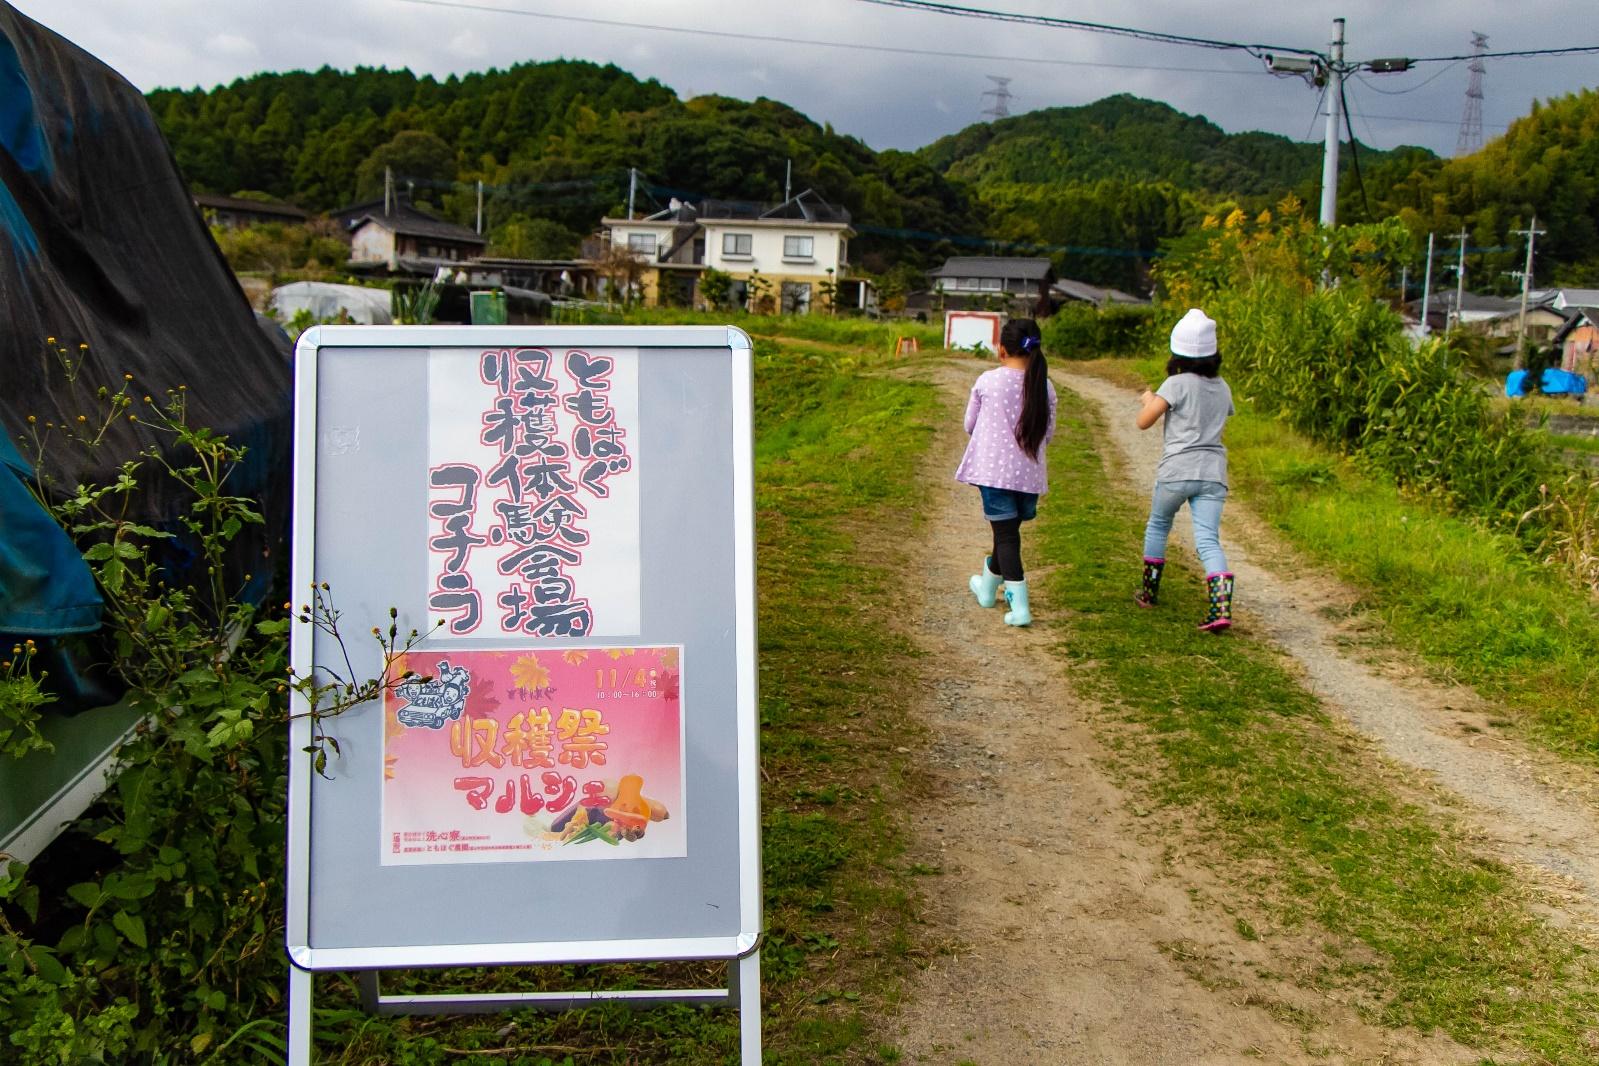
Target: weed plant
{"x":151,"y":932}
{"x":1245,"y":768}
{"x":1332,"y":362}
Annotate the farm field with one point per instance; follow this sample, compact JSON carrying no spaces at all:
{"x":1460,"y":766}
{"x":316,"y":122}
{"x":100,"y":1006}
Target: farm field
{"x":1360,"y":827}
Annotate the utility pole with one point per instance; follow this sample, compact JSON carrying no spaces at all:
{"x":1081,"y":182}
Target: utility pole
{"x":480,"y":207}
{"x":1329,"y":159}
{"x":388,"y":191}
{"x":1426,"y":290}
{"x":1532,"y":232}
{"x":1460,"y":275}
{"x":788,"y":181}
{"x":632,"y":190}
{"x":1404,"y":281}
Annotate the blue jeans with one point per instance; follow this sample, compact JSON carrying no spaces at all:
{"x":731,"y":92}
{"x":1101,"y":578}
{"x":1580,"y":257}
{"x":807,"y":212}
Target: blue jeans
{"x":1204,"y":499}
{"x":1001,"y":504}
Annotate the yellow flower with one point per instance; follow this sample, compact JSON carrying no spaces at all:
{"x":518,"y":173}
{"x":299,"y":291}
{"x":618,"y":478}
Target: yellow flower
{"x":528,"y":674}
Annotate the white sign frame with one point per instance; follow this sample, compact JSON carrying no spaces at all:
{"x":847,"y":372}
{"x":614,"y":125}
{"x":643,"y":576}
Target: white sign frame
{"x":740,"y":950}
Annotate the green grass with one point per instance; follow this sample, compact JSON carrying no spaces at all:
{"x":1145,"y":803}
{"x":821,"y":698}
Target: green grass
{"x":831,"y":451}
{"x":874,"y":337}
{"x":1226,"y":742}
{"x":1474,"y":604}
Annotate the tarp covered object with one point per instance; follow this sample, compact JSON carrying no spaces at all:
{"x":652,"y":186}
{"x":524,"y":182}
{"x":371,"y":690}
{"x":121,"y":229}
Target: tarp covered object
{"x":1516,"y":383}
{"x":100,"y":245}
{"x":325,"y":301}
{"x":1554,"y":382}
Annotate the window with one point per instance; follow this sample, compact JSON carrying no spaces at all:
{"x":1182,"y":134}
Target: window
{"x":993,"y":283}
{"x":741,"y":244}
{"x":796,"y":297}
{"x":643,"y":243}
{"x":798,"y":247}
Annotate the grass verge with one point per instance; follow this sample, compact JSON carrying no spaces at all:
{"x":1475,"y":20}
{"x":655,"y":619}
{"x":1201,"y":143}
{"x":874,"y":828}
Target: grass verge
{"x":832,"y":445}
{"x":1471,"y":602}
{"x":1229,"y":745}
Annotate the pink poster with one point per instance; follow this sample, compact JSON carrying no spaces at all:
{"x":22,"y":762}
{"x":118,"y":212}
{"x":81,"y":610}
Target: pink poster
{"x":534,"y":755}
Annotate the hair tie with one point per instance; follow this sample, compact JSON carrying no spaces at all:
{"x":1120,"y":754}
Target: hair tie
{"x":1029,"y":343}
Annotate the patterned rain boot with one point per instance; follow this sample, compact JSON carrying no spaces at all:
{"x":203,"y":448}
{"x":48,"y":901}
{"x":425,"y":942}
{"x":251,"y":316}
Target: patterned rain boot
{"x":1150,"y":592}
{"x":985,"y":586}
{"x":1220,"y":615}
{"x":1016,"y":598}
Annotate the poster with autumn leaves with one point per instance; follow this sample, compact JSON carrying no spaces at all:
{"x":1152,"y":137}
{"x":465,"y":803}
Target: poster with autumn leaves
{"x":515,"y":756}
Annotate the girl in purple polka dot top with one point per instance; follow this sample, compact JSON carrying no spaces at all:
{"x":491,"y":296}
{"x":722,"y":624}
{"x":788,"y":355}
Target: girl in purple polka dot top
{"x":1011,"y":418}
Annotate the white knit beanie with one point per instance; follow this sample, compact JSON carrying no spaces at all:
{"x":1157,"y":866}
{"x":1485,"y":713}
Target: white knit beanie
{"x":1195,"y":336}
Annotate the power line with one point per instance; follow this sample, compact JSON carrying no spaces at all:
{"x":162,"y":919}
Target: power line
{"x":1108,"y":29}
{"x":1401,"y":92}
{"x":1529,"y":53}
{"x":465,"y":5}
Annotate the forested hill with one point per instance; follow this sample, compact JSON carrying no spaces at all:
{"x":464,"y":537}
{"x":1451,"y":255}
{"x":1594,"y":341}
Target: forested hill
{"x":552,"y":141}
{"x":1125,"y":138}
{"x":1098,"y":187}
{"x":1546,"y":164}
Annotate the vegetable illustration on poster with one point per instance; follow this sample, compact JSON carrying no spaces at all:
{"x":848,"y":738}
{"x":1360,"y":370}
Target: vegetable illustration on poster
{"x":533,"y":494}
{"x":535,"y":755}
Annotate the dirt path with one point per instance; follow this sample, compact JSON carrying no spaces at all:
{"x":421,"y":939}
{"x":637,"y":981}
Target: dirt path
{"x":1529,"y":808}
{"x":1069,"y":939}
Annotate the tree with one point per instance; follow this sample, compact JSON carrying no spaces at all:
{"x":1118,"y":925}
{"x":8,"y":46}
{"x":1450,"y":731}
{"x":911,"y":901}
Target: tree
{"x":413,"y":154}
{"x":827,"y":292}
{"x":521,"y":237}
{"x":760,"y":294}
{"x":715,"y":288}
{"x":621,"y":270}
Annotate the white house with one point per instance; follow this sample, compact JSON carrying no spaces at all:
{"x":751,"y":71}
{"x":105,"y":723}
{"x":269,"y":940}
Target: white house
{"x":794,"y":247}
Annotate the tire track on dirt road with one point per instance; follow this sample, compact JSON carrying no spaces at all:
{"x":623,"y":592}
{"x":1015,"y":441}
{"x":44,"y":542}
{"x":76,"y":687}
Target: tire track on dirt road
{"x":1061,"y":933}
{"x":1527,"y":807}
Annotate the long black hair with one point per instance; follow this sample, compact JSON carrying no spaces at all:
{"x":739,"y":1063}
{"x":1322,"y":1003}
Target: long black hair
{"x":1206,"y":367}
{"x":1020,"y":336}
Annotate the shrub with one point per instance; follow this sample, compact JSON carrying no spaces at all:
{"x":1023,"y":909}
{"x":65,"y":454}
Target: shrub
{"x":1333,"y":361}
{"x":1083,"y":331}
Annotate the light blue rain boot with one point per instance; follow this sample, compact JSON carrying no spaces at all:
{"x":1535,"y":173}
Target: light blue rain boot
{"x":985,"y":586}
{"x":1016,"y":596}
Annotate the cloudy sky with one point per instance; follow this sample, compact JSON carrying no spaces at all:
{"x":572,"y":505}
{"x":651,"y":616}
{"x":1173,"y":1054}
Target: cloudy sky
{"x":879,"y":88}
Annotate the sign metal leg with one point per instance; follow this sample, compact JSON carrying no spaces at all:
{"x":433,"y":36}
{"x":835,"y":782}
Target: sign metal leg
{"x":300,"y":984}
{"x":747,"y":985}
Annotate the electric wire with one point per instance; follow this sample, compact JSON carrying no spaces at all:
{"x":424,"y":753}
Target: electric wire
{"x":1410,"y":89}
{"x":1310,"y":131}
{"x":1055,"y":22}
{"x":466,"y":5}
{"x":1527,"y":53}
{"x":1354,"y":153}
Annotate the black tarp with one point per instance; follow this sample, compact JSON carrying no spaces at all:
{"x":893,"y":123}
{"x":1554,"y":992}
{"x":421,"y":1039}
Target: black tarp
{"x":100,"y":245}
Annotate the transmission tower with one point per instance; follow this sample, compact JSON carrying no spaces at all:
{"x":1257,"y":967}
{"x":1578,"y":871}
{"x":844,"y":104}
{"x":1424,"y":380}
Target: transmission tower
{"x":1002,"y":97}
{"x":1471,"y":121}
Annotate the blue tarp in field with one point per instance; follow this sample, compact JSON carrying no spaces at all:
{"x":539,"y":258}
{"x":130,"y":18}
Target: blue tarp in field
{"x":1555,"y":382}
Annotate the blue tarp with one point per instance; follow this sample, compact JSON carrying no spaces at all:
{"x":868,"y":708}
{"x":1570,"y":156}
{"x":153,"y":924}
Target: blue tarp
{"x":1516,"y":383}
{"x":46,"y":589}
{"x":1562,"y":383}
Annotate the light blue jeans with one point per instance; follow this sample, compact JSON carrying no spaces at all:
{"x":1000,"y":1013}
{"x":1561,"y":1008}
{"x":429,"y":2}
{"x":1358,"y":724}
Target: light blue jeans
{"x":1204,"y":500}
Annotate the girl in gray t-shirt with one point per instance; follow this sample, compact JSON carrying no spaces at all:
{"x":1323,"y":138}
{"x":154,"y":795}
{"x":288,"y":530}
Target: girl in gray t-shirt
{"x":1196,"y":404}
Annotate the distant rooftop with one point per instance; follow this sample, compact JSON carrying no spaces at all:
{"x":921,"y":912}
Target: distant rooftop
{"x":994,"y":266}
{"x":212,"y":202}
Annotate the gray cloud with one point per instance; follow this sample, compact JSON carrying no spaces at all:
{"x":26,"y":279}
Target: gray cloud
{"x":887,"y":99}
